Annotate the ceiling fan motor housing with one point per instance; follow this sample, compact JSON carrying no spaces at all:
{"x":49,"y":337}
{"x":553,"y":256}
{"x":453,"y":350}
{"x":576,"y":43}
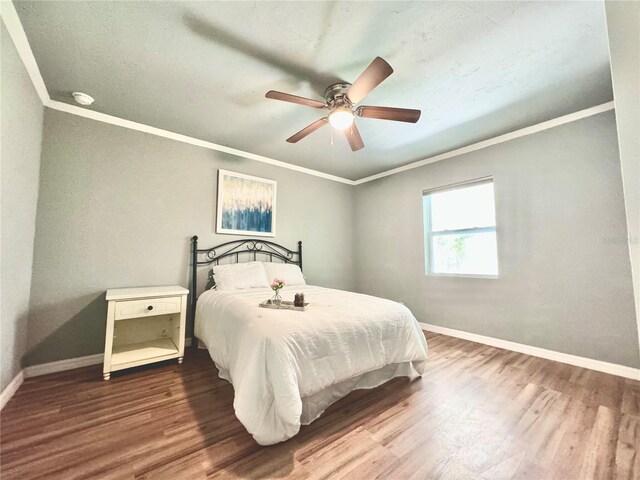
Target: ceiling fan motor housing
{"x":336,"y":95}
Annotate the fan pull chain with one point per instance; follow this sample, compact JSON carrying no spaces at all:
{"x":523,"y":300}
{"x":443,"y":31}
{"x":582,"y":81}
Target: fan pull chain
{"x":331,"y":135}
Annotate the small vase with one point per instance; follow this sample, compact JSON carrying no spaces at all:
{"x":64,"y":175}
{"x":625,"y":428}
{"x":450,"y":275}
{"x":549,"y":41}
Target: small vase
{"x":277,"y":299}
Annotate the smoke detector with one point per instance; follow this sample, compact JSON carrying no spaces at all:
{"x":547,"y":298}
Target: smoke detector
{"x":82,"y":98}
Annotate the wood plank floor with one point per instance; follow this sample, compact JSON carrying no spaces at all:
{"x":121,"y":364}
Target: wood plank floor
{"x":478,"y":413}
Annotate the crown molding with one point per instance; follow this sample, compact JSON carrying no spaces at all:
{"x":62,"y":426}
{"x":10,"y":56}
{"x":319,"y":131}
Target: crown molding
{"x":540,"y":127}
{"x":16,"y":32}
{"x":121,"y":122}
{"x":19,"y":38}
{"x":14,"y":27}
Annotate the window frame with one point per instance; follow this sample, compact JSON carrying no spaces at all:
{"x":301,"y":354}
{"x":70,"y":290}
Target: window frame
{"x":429,"y":233}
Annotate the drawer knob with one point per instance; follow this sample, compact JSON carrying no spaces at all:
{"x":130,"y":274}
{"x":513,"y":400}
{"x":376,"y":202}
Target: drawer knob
{"x":150,"y":307}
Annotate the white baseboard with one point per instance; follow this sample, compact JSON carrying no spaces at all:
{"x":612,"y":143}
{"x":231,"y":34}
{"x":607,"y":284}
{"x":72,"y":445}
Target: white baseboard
{"x":590,"y":363}
{"x":10,"y":389}
{"x":70,"y":364}
{"x":62,"y":365}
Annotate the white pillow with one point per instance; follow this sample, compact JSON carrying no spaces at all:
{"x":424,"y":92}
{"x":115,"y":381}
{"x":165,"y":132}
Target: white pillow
{"x":239,"y":276}
{"x":290,"y":273}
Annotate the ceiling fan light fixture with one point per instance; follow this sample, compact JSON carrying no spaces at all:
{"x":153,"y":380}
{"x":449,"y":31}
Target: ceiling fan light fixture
{"x":341,"y":118}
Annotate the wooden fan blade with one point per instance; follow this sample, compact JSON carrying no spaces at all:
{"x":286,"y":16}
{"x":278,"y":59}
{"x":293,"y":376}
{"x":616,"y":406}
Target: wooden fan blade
{"x":373,"y":76}
{"x":296,"y":137}
{"x":353,"y":135}
{"x":287,"y":97}
{"x":389,"y":113}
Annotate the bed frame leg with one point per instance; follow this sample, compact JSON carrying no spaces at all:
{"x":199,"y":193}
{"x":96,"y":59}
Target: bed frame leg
{"x":180,"y":360}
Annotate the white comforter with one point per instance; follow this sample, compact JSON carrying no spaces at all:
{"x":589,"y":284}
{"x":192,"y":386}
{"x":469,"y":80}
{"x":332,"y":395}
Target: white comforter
{"x":277,"y":359}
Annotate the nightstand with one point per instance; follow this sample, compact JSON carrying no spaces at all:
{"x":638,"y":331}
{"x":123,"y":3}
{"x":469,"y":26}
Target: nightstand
{"x":144,"y":325}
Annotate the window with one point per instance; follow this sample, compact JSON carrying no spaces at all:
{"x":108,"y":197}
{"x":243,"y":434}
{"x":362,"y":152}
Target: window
{"x":460,"y":230}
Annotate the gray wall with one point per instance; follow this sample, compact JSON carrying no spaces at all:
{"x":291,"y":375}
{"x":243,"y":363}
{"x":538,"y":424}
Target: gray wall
{"x":21,"y":135}
{"x":117,"y":208}
{"x":623,"y":21}
{"x":565,"y":279}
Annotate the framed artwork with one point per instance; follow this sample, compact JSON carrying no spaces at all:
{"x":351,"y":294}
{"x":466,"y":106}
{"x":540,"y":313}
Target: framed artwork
{"x":246,"y":205}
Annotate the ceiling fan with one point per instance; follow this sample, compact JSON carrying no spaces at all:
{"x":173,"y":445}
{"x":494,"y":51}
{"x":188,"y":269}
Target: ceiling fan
{"x":340,"y":100}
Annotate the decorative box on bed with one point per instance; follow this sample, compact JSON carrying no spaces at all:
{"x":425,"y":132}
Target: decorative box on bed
{"x":286,"y":367}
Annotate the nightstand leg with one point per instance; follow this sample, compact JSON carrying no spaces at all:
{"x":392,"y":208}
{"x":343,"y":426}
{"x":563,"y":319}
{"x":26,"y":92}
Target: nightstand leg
{"x":180,"y":359}
{"x":106,"y":376}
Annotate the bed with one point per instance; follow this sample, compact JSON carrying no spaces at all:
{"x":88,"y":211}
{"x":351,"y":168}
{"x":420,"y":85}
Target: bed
{"x":287,"y":367}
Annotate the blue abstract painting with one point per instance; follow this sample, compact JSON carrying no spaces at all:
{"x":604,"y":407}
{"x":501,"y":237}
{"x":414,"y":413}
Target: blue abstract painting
{"x":246,"y":204}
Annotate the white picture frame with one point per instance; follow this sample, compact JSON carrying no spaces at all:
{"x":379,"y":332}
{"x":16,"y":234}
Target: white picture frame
{"x":246,"y":205}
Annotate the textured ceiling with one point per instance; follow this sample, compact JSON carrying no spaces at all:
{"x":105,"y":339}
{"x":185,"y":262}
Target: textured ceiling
{"x":476,"y":69}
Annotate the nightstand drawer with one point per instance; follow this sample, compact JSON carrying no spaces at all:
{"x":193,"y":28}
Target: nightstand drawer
{"x":147,"y":308}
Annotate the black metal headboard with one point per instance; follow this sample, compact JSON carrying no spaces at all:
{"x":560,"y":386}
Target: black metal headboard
{"x":235,"y":249}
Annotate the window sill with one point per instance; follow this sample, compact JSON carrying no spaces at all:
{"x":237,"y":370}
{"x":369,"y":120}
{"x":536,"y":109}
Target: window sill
{"x":463,"y":275}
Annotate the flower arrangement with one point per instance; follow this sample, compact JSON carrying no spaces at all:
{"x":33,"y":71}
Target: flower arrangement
{"x":276,"y":286}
